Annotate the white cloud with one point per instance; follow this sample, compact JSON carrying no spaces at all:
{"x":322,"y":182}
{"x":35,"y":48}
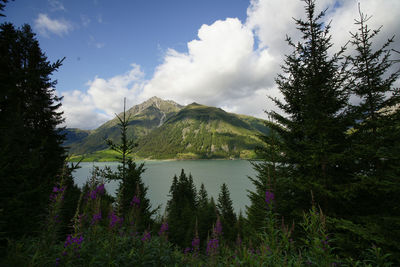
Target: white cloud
{"x":102,"y":100}
{"x":233,"y":64}
{"x":219,"y":67}
{"x":56,"y":5}
{"x":45,"y":25}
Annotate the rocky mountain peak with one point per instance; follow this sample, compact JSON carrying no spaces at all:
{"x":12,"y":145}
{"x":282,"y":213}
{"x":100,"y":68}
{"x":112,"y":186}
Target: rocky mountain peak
{"x":162,"y":105}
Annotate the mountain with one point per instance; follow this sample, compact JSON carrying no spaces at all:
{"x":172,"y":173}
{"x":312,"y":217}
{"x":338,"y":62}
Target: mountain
{"x":142,"y":119}
{"x":166,"y":130}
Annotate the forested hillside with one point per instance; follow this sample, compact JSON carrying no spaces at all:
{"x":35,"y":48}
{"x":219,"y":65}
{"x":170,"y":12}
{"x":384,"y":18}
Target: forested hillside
{"x":166,"y":130}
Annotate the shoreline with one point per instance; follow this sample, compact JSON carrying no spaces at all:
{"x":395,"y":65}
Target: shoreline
{"x":167,"y":160}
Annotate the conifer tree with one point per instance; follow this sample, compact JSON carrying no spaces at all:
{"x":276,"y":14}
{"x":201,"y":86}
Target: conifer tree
{"x":206,"y":214}
{"x":309,"y":144}
{"x":228,"y":216}
{"x":181,"y":209}
{"x":375,"y":186}
{"x":31,"y":152}
{"x":129,"y":174}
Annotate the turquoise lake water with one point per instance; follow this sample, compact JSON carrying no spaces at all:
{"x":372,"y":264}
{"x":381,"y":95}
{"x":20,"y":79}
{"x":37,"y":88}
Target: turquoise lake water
{"x":158,"y":177}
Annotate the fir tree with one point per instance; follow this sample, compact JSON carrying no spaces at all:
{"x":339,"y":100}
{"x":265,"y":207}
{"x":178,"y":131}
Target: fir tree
{"x":206,"y":215}
{"x":374,"y":190}
{"x":181,"y":210}
{"x":129,"y":174}
{"x":228,"y":216}
{"x":309,"y":142}
{"x":31,"y":152}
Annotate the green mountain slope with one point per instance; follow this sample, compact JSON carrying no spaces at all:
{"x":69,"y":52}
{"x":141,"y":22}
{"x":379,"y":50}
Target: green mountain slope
{"x":142,"y":119}
{"x":166,"y":130}
{"x":199,"y":131}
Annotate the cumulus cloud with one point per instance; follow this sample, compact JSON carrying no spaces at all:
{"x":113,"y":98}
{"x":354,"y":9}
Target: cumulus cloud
{"x":45,"y":25}
{"x":102,"y":100}
{"x":233,"y":64}
{"x":221,"y":65}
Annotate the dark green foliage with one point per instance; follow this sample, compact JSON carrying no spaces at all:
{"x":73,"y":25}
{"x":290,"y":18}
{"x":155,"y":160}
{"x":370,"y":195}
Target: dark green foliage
{"x":181,"y":210}
{"x":227,"y":215}
{"x":304,"y":152}
{"x":372,"y":214}
{"x":129,"y":175}
{"x":206,"y":215}
{"x":31,"y":152}
{"x":2,"y":5}
{"x":342,"y":155}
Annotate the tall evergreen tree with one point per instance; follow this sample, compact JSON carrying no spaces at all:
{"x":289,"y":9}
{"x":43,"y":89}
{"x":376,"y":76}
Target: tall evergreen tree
{"x":181,"y":210}
{"x":206,"y":215}
{"x":129,"y":174}
{"x":31,"y":152}
{"x":228,"y":216}
{"x":375,"y":186}
{"x":309,"y":137}
{"x":2,"y":6}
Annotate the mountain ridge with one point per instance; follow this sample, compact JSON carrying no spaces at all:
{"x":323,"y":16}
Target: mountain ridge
{"x":165,"y":129}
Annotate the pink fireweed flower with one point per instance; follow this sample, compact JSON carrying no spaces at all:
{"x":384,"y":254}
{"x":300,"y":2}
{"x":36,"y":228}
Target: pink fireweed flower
{"x":114,"y":220}
{"x":98,"y":191}
{"x":163,"y":229}
{"x":96,"y":218}
{"x":73,"y":241}
{"x":218,"y":228}
{"x":195,"y":243}
{"x":56,"y":192}
{"x":212,"y":246}
{"x":269,"y":197}
{"x":146,"y":236}
{"x":135,"y":201}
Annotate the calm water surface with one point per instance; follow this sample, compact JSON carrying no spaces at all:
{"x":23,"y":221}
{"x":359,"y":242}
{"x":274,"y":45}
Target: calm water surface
{"x":158,"y":177}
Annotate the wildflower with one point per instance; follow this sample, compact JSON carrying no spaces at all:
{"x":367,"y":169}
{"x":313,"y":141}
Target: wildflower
{"x":96,"y":217}
{"x":218,"y":228}
{"x":186,"y":251}
{"x":57,"y":261}
{"x":100,"y":189}
{"x":73,"y":241}
{"x":97,"y":192}
{"x":56,"y":192}
{"x":146,"y":236}
{"x":163,"y":229}
{"x":135,"y":201}
{"x":114,"y":219}
{"x":195,"y":243}
{"x":212,"y":246}
{"x":269,"y":197}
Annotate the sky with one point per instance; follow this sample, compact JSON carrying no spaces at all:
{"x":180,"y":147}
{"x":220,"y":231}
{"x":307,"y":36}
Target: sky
{"x":223,"y":53}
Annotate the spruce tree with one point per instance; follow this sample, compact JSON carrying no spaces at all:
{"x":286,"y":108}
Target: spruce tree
{"x":227,"y":214}
{"x":31,"y":152}
{"x":310,"y":134}
{"x":181,"y":210}
{"x":206,"y":215}
{"x":129,"y":174}
{"x":375,"y":186}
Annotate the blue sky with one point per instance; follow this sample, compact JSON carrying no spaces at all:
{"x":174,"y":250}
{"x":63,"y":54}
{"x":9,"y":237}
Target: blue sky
{"x":224,"y":53}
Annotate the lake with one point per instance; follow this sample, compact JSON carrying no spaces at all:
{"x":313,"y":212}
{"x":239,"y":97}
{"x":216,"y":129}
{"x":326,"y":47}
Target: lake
{"x":158,"y":177}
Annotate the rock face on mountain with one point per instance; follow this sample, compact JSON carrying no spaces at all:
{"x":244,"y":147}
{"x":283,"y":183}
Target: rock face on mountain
{"x":166,"y":130}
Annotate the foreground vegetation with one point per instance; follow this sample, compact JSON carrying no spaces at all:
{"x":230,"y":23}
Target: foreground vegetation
{"x":100,"y":237}
{"x":326,"y":193}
